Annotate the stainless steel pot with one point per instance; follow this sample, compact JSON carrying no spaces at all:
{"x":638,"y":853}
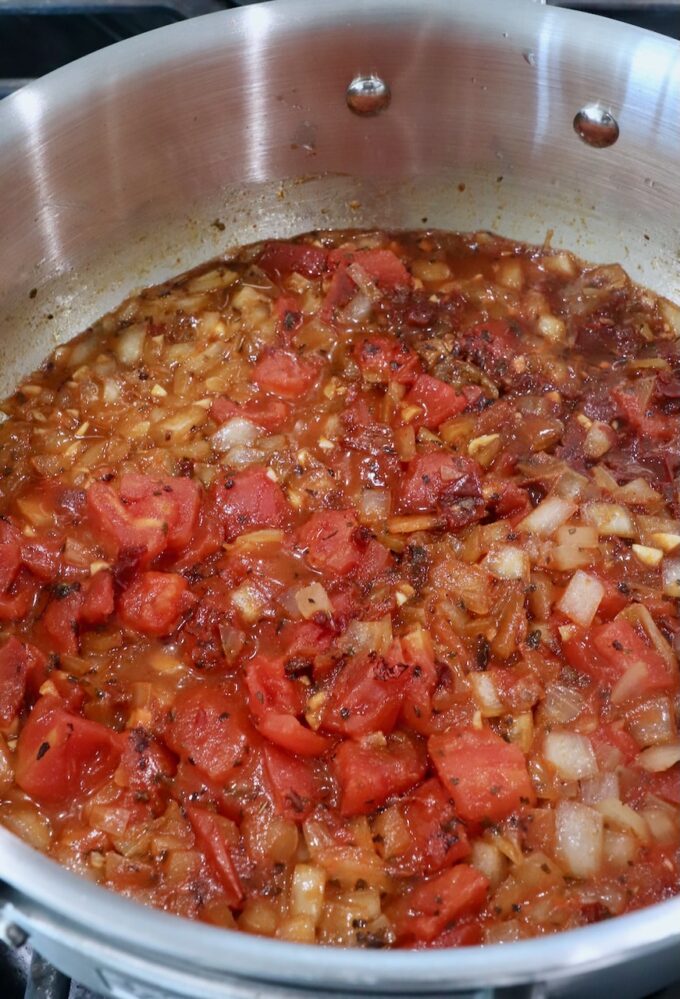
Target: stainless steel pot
{"x":150,"y":156}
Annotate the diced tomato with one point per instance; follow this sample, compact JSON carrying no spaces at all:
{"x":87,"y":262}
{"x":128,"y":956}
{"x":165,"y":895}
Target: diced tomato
{"x":18,"y":600}
{"x":439,"y":837}
{"x":61,"y":756}
{"x":249,"y":500}
{"x":98,"y":603}
{"x":365,"y":696}
{"x":209,"y":730}
{"x":440,"y":481}
{"x":60,"y":620}
{"x":172,"y":501}
{"x":648,"y":424}
{"x":375,"y":560}
{"x":268,"y":413}
{"x":330,"y":537}
{"x":154,"y":602}
{"x":43,"y":558}
{"x":665,"y":785}
{"x":422,"y":914}
{"x":292,"y":782}
{"x":147,"y":513}
{"x":145,"y":763}
{"x":613,"y":744}
{"x":491,"y":345}
{"x":623,"y":648}
{"x":269,"y":688}
{"x":284,"y":373}
{"x":279,"y":259}
{"x":13,"y":666}
{"x":208,"y":533}
{"x":416,"y":649}
{"x":212,"y":836}
{"x":438,"y":401}
{"x":486,"y":777}
{"x":613,"y":601}
{"x":384,"y":359}
{"x":382,"y":266}
{"x":306,"y":638}
{"x":369,"y":774}
{"x":286,"y":731}
{"x":10,"y":554}
{"x":468,"y":934}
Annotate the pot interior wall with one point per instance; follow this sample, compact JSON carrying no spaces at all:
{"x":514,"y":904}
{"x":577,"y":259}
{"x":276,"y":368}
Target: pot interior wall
{"x":151,"y":156}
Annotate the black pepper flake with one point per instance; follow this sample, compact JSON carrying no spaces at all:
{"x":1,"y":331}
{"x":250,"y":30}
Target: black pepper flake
{"x":534,"y":639}
{"x":483,"y":652}
{"x":44,"y":746}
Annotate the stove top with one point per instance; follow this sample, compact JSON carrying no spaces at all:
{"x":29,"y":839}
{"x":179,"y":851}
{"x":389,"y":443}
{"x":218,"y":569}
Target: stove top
{"x":37,"y":36}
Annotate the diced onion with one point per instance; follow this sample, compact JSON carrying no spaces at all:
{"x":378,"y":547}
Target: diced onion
{"x":249,"y":602}
{"x":638,"y":492}
{"x":652,"y":723}
{"x":486,"y":695}
{"x":600,"y":788}
{"x":656,"y":759}
{"x":236,"y":431}
{"x":362,"y":637}
{"x":579,"y":838}
{"x":312,"y":599}
{"x":242,"y":456}
{"x":623,"y":816}
{"x":629,"y":683}
{"x":373,"y":505}
{"x":610,"y":519}
{"x":129,"y":345}
{"x":561,"y":704}
{"x":599,"y":440}
{"x":662,"y":824}
{"x":307,"y":891}
{"x":550,"y":514}
{"x":571,"y":754}
{"x":508,"y":562}
{"x":581,"y":599}
{"x":670,"y":575}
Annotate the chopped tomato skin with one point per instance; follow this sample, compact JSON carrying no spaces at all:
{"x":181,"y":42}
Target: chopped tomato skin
{"x":445,"y":483}
{"x":486,"y":777}
{"x":154,"y":602}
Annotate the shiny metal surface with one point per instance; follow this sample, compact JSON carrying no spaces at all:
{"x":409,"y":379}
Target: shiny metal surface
{"x":115,"y":170}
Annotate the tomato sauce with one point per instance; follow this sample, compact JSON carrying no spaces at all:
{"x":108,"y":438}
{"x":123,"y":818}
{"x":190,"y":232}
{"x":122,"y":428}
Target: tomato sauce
{"x":339,"y":593}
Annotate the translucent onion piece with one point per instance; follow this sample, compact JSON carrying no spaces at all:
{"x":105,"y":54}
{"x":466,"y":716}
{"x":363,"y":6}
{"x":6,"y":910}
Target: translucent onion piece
{"x":581,"y":599}
{"x":571,"y":754}
{"x":656,"y":759}
{"x":579,"y":838}
{"x":236,"y":431}
{"x":550,"y":514}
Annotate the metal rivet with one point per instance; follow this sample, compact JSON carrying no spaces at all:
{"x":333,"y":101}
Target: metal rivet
{"x":367,"y":95}
{"x":15,"y":936}
{"x":596,"y":126}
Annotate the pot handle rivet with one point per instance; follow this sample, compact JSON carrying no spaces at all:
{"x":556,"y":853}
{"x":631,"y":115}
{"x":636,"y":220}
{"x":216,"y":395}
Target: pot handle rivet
{"x":368,"y":94}
{"x":596,"y":126}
